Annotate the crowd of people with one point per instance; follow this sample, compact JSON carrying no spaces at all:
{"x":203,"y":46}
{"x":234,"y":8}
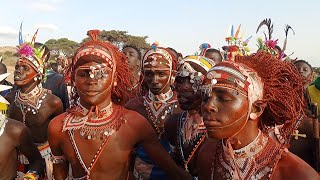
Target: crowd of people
{"x":110,"y":113}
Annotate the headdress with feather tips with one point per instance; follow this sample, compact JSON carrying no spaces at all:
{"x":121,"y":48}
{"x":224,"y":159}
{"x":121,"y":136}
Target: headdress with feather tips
{"x":34,"y":56}
{"x":270,"y":45}
{"x":236,"y":45}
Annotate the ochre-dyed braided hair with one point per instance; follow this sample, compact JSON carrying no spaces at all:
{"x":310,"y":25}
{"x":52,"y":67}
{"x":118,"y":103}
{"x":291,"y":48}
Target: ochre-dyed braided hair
{"x":283,"y":90}
{"x":120,"y":92}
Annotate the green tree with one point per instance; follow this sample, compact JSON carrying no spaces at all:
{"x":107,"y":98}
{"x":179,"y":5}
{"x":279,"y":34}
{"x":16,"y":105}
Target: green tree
{"x":68,"y":46}
{"x":121,"y":38}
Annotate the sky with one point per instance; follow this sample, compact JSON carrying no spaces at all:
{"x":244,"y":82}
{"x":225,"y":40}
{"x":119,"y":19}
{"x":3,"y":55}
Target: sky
{"x":181,"y":24}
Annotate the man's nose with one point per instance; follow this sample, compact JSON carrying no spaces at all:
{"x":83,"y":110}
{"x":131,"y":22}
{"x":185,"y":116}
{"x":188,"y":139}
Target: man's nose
{"x":155,"y":79}
{"x":92,"y":81}
{"x":209,"y":105}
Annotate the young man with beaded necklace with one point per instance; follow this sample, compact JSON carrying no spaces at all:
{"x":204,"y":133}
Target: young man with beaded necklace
{"x":240,"y":100}
{"x":186,"y":130}
{"x":159,"y":70}
{"x":31,"y":104}
{"x":97,"y":135}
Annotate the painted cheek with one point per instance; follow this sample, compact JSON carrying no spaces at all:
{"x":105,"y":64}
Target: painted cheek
{"x":105,"y":82}
{"x":30,"y":75}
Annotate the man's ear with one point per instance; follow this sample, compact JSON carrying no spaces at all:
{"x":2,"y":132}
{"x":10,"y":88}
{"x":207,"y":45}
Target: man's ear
{"x":257,"y":109}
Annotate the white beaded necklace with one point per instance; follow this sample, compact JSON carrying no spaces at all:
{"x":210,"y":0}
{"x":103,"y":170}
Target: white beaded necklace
{"x":31,"y":101}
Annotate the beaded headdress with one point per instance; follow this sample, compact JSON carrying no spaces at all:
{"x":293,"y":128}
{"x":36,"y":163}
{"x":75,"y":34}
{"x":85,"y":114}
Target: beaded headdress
{"x":186,"y":67}
{"x":239,"y":77}
{"x":114,"y":62}
{"x":34,"y":56}
{"x":203,"y":48}
{"x":236,"y":45}
{"x":158,"y":55}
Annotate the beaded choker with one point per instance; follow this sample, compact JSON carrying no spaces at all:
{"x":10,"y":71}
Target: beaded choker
{"x":3,"y":122}
{"x":158,"y":107}
{"x":94,"y":123}
{"x":31,"y":101}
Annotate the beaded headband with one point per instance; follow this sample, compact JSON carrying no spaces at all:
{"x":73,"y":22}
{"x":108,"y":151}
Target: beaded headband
{"x":96,"y":47}
{"x":242,"y":78}
{"x":156,"y":53}
{"x":30,"y":54}
{"x":185,"y":68}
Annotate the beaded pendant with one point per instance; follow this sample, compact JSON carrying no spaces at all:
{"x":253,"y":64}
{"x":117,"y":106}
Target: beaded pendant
{"x":158,"y":110}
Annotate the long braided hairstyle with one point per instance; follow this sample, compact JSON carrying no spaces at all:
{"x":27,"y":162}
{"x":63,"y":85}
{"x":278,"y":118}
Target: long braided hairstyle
{"x":283,"y":91}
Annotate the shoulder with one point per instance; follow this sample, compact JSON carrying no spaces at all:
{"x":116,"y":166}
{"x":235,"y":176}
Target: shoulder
{"x":15,"y":127}
{"x":208,"y":149}
{"x":53,"y":99}
{"x":134,"y":103}
{"x":16,"y":130}
{"x":206,"y":157}
{"x":136,"y":122}
{"x":56,"y":124}
{"x":10,"y":96}
{"x":291,"y":166}
{"x":133,"y":117}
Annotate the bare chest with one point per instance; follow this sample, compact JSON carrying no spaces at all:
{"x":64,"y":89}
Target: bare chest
{"x":100,"y":158}
{"x":38,"y":119}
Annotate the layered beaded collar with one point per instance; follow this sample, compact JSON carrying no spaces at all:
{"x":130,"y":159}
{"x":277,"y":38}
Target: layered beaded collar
{"x":159,"y":106}
{"x":94,"y":123}
{"x":32,"y":101}
{"x":254,"y":161}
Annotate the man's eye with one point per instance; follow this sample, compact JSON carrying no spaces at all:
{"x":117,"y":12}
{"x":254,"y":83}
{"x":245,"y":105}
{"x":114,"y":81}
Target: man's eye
{"x":162,"y":74}
{"x":84,"y":74}
{"x":224,"y":98}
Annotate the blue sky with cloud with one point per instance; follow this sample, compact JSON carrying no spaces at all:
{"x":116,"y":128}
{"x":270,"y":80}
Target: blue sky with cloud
{"x":182,"y":24}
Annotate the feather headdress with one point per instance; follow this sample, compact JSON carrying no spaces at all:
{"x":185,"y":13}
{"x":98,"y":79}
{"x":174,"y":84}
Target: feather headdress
{"x":34,"y":55}
{"x":269,"y":44}
{"x":236,"y":45}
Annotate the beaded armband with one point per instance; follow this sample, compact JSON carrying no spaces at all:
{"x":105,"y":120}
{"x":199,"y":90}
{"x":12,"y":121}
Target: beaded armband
{"x":58,"y":159}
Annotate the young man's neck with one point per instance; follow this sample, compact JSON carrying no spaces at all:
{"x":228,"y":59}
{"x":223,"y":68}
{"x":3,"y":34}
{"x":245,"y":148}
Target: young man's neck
{"x":101,"y":105}
{"x":28,"y":87}
{"x":246,"y":136}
